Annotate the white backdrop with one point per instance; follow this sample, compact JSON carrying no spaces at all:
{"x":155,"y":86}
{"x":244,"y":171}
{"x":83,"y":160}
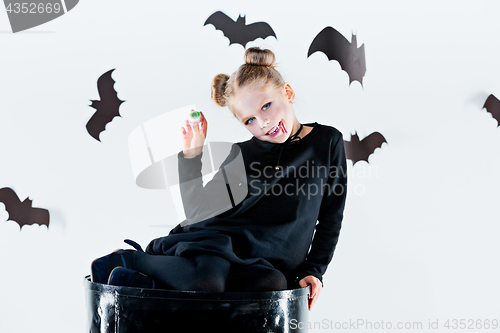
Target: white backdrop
{"x":420,"y":228}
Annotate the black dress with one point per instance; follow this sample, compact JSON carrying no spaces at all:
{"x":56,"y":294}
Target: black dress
{"x":290,"y":218}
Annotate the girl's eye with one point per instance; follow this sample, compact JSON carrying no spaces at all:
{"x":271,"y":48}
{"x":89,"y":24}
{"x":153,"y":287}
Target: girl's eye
{"x":249,"y":121}
{"x":266,"y":106}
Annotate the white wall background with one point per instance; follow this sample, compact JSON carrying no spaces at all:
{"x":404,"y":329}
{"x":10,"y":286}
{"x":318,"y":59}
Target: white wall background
{"x":421,"y":222}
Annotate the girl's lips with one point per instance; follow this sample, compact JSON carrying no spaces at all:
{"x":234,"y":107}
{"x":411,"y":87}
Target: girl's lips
{"x":276,"y":128}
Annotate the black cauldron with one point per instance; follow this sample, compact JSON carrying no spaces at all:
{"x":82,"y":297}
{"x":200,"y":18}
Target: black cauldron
{"x":130,"y":310}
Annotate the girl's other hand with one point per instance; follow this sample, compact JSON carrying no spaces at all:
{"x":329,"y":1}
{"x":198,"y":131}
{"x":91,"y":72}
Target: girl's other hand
{"x":193,"y":137}
{"x":315,"y":287}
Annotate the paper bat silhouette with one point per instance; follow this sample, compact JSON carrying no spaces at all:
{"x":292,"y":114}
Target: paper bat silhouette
{"x":239,"y":32}
{"x":106,"y":108}
{"x":357,"y":150}
{"x":492,"y":105}
{"x":337,"y":47}
{"x":22,"y":212}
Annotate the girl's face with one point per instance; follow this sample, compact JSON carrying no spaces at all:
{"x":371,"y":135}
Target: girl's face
{"x":266,"y":113}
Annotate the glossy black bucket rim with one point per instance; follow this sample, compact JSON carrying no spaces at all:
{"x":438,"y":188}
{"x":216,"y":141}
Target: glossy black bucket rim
{"x":195,"y":295}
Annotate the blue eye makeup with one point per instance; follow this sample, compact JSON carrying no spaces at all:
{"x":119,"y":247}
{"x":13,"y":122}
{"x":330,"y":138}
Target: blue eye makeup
{"x":264,"y":108}
{"x":250,"y":120}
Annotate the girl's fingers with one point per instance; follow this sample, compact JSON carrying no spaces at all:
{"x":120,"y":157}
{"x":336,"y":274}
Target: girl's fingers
{"x":204,"y":119}
{"x":187,"y":132}
{"x":197,"y":132}
{"x":203,"y":125}
{"x":316,"y":290}
{"x":195,"y":127}
{"x":315,"y":287}
{"x":193,"y":136}
{"x":312,"y":301}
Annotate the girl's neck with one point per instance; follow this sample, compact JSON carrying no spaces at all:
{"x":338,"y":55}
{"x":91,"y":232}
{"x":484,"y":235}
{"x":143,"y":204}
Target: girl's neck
{"x":295,"y":127}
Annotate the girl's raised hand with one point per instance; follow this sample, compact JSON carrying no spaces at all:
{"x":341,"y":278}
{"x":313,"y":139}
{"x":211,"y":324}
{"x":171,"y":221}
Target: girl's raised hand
{"x":193,"y":137}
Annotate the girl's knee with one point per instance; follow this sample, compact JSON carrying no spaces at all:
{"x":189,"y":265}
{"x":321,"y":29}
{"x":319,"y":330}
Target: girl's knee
{"x":213,"y":284}
{"x":258,"y":278}
{"x":273,"y":280}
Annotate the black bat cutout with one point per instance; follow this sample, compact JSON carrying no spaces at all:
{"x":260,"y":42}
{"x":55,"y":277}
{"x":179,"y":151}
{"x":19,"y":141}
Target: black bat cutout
{"x":492,"y":105}
{"x":238,"y":31}
{"x":357,"y":150}
{"x":336,"y":47}
{"x":107,"y":108}
{"x":22,"y":212}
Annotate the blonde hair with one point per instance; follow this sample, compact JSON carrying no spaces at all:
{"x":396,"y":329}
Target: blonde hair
{"x":258,"y":70}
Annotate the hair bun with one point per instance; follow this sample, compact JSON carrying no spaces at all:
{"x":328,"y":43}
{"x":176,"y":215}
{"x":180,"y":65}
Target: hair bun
{"x":219,"y":84}
{"x":259,"y":57}
{"x":258,"y":70}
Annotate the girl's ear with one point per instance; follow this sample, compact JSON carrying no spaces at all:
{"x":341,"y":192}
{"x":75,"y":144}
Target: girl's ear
{"x":289,"y":93}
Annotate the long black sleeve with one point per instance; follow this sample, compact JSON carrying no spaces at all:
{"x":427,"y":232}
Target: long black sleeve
{"x":226,"y":189}
{"x":330,"y":217}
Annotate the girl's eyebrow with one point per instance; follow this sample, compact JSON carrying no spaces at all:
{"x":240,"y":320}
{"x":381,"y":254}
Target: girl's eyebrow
{"x":246,"y":117}
{"x":243,"y":119}
{"x":260,"y":105}
{"x":263,"y":100}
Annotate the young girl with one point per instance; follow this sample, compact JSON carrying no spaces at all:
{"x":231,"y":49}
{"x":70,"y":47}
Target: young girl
{"x":283,"y":233}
